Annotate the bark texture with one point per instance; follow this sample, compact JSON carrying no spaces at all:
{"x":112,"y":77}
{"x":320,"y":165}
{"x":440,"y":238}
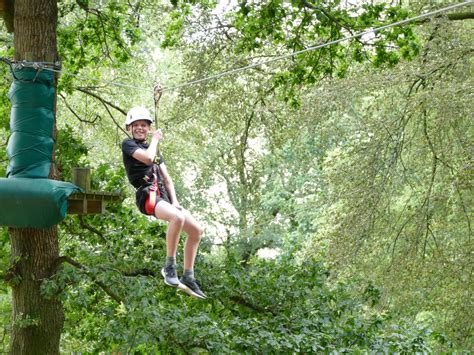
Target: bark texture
{"x":37,"y":321}
{"x":35,"y":30}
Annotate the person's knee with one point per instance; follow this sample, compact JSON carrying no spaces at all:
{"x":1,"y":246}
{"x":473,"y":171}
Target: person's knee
{"x":200,"y":230}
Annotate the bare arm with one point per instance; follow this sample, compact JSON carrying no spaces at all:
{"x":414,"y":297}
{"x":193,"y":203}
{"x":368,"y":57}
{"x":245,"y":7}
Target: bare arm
{"x":147,"y":156}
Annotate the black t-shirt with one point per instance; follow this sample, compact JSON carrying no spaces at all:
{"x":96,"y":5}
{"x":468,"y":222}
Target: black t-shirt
{"x":135,"y":169}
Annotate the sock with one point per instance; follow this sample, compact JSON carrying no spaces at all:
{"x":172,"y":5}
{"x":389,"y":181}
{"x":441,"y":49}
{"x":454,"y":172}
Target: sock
{"x":170,"y":260}
{"x":189,"y":274}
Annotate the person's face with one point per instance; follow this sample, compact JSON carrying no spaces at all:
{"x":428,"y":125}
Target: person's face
{"x":140,"y":129}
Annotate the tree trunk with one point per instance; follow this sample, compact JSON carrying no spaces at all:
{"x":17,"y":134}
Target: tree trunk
{"x":37,"y":321}
{"x":35,"y":30}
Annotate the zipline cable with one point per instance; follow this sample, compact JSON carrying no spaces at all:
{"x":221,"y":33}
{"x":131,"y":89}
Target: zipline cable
{"x":108,"y":82}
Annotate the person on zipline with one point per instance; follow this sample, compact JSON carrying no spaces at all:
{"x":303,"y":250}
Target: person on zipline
{"x":145,"y":174}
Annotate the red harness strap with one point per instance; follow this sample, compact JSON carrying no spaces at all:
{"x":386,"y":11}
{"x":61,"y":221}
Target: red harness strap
{"x":154,"y":191}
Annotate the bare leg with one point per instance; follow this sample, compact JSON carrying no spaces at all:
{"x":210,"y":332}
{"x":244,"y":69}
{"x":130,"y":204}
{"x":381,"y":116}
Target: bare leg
{"x":176,"y":220}
{"x":194,"y":231}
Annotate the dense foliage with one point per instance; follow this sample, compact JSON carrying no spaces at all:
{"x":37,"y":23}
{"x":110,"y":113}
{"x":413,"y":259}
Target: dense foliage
{"x":335,"y":186}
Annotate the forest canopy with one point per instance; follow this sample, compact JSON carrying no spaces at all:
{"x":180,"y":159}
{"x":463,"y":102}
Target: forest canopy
{"x":335,"y":185}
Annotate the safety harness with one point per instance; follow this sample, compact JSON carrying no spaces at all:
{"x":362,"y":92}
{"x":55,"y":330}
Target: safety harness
{"x":153,"y":193}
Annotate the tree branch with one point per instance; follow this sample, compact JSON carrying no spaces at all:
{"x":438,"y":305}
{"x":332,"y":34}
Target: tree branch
{"x":434,"y":167}
{"x":90,"y":93}
{"x":92,"y":276}
{"x":106,"y":104}
{"x":75,"y":114}
{"x":139,"y":272}
{"x":91,"y":229}
{"x":113,"y":119}
{"x":83,"y":4}
{"x":243,"y":302}
{"x":461,"y":16}
{"x":456,"y":16}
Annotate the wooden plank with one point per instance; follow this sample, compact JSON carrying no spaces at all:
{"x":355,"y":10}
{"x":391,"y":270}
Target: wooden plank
{"x":75,"y":207}
{"x":85,"y":207}
{"x":82,"y":178}
{"x":96,"y":196}
{"x":95,"y":207}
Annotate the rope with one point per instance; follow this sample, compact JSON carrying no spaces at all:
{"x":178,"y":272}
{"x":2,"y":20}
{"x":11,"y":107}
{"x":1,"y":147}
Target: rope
{"x":281,"y":57}
{"x":157,"y":92}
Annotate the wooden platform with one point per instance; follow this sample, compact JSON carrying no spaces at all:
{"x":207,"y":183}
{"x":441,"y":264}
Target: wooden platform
{"x":90,"y":202}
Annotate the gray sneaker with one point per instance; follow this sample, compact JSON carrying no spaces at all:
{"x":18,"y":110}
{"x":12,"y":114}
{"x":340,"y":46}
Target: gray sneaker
{"x":170,"y":275}
{"x":192,"y":288}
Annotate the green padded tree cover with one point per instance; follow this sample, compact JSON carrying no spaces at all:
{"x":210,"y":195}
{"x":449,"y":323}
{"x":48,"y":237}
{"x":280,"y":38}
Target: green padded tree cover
{"x":27,"y":197}
{"x":36,"y":203}
{"x":30,"y":146}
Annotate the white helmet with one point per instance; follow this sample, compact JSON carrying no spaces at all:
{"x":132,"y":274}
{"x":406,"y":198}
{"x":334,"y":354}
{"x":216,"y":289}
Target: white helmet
{"x":136,"y":114}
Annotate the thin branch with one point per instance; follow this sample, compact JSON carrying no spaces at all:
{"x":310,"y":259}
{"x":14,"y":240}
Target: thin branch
{"x":465,"y":210}
{"x":105,"y":51}
{"x":91,"y":275}
{"x":457,"y":16}
{"x":242,"y":301}
{"x":113,"y":119}
{"x":106,"y":104}
{"x":75,"y":114}
{"x":90,"y":93}
{"x":91,"y":229}
{"x":461,"y":16}
{"x":434,"y":167}
{"x":126,"y":273}
{"x":394,"y":244}
{"x":223,"y":26}
{"x":139,"y":272}
{"x":83,"y":4}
